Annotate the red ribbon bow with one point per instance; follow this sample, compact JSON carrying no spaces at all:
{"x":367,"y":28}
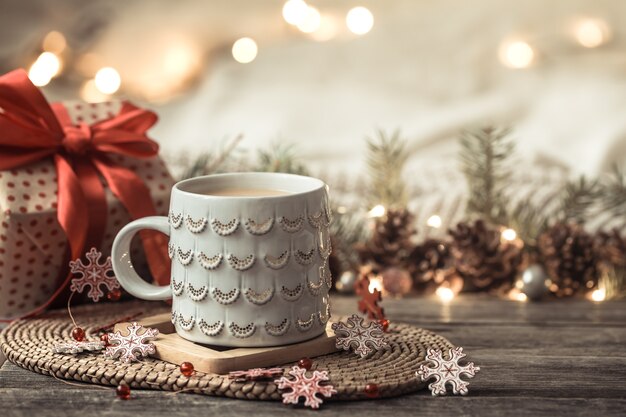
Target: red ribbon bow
{"x":31,"y":130}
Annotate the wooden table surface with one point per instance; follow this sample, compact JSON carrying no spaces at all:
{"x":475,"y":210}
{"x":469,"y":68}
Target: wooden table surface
{"x":559,"y":358}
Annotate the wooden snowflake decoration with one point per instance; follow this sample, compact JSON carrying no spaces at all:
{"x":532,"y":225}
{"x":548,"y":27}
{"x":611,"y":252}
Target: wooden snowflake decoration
{"x":304,"y":386}
{"x":362,"y":338}
{"x":93,"y":275}
{"x":133,"y":346}
{"x":368,"y":304}
{"x":447,"y":371}
{"x":255,"y":374}
{"x":73,"y":347}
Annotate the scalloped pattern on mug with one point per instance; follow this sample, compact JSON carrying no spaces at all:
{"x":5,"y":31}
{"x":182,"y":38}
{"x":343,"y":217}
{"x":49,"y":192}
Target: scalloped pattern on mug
{"x":304,"y":325}
{"x":304,"y":258}
{"x":277,"y":329}
{"x":277,"y":262}
{"x":324,"y":246}
{"x":225,"y":297}
{"x":209,"y":262}
{"x":177,"y":287}
{"x":324,"y":317}
{"x":325,"y":274}
{"x":184,"y":257}
{"x":186,"y":324}
{"x":211,"y":329}
{"x":224,"y":229}
{"x":314,"y":287}
{"x":291,"y":226}
{"x":171,"y":250}
{"x":259,"y":298}
{"x":258,"y":229}
{"x":174,"y":317}
{"x":292,"y":294}
{"x":241,"y":264}
{"x":241,"y":331}
{"x":175,"y":219}
{"x":197,"y":294}
{"x":195,"y":226}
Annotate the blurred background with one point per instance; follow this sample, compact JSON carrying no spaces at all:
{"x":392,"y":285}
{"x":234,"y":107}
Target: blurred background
{"x":324,"y":75}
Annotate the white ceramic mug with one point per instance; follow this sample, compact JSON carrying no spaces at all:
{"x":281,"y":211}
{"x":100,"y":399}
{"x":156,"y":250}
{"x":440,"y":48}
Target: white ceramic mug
{"x":246,"y":270}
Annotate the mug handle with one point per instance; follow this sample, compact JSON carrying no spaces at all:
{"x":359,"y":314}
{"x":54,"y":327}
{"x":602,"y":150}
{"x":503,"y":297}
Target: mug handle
{"x":123,"y":266}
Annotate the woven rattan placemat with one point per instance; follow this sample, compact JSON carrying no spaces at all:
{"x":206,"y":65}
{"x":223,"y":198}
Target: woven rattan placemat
{"x":28,"y":343}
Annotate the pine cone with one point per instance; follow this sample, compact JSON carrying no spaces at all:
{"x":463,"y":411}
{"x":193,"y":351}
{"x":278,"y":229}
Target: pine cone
{"x":428,"y":260}
{"x":391,"y":242}
{"x":570,"y":259}
{"x":481,"y":257}
{"x":611,"y":248}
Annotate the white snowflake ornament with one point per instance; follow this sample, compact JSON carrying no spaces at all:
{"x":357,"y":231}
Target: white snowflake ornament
{"x":93,"y":275}
{"x":73,"y":347}
{"x":306,"y":387}
{"x":132,"y":347}
{"x":447,"y":371}
{"x":363,"y":338}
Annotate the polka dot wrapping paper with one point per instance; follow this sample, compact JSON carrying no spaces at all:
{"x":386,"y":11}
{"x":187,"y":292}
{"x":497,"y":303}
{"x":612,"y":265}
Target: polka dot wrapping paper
{"x":33,"y":245}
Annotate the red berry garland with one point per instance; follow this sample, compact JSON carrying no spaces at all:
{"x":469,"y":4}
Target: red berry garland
{"x":104,"y":338}
{"x":114,"y":295}
{"x":372,"y":390}
{"x":305,"y":363}
{"x":186,"y":368}
{"x":122,"y":391}
{"x":78,"y":334}
{"x":384,"y":323}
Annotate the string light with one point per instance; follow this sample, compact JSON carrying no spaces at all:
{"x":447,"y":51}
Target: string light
{"x":245,"y":50}
{"x":54,"y":42}
{"x":517,"y":54}
{"x":591,"y":33}
{"x":598,"y":295}
{"x":509,"y":235}
{"x":329,"y":27}
{"x":342,"y":209}
{"x":359,"y":20}
{"x":90,"y":93}
{"x":377,"y":211}
{"x":295,"y":11}
{"x":445,"y":294}
{"x":376,"y":283}
{"x":107,"y":80}
{"x":44,"y":69}
{"x":434,"y":221}
{"x":311,"y":21}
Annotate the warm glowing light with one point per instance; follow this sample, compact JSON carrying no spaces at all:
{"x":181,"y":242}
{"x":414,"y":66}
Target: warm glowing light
{"x":108,"y":80}
{"x":376,"y":283}
{"x":591,"y":33}
{"x":90,"y":93}
{"x":45,"y":67}
{"x":245,"y":50}
{"x":445,"y":294}
{"x":295,"y":11}
{"x":54,"y":42}
{"x":518,"y":54}
{"x":360,"y":20}
{"x":509,"y":234}
{"x":521,"y":297}
{"x":312,"y":20}
{"x":329,"y":27}
{"x":377,"y":211}
{"x":598,"y":295}
{"x":342,"y":209}
{"x":434,"y":221}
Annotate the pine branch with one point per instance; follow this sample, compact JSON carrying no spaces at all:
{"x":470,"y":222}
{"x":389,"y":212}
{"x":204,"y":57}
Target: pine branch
{"x":385,"y":160}
{"x":348,"y":230}
{"x":281,"y":158}
{"x":577,"y":199}
{"x":485,"y":155}
{"x":613,"y":193}
{"x":209,"y":162}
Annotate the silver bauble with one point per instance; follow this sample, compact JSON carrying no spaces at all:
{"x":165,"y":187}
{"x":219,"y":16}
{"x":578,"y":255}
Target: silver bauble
{"x":345,"y":283}
{"x":535,"y":282}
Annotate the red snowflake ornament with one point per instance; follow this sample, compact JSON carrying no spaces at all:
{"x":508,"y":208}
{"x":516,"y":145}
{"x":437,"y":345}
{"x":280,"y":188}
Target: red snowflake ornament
{"x":368,"y":304}
{"x":362,"y":338}
{"x":132,"y":347}
{"x":93,"y":275}
{"x":446,"y":371}
{"x":306,"y":387}
{"x":255,"y":374}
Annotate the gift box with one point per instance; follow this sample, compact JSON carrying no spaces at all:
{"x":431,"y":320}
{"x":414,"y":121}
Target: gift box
{"x":34,"y":245}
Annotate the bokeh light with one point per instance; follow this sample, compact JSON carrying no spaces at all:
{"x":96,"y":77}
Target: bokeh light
{"x":517,"y":54}
{"x":312,"y":21}
{"x":295,"y":11}
{"x":244,"y":50}
{"x":377,"y":211}
{"x":359,"y":20}
{"x":54,"y":42}
{"x":108,"y":80}
{"x":44,"y":69}
{"x":89,"y":93}
{"x":509,"y":235}
{"x":434,"y":221}
{"x":591,"y":33}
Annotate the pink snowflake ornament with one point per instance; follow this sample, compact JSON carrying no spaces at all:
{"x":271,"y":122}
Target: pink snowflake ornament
{"x":362,"y":338}
{"x":73,"y":347}
{"x":132,"y":347}
{"x":447,"y":371}
{"x":306,"y":387}
{"x":93,"y":275}
{"x":255,"y":374}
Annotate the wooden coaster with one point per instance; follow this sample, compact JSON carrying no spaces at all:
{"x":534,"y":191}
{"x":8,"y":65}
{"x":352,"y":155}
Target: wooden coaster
{"x":174,"y":349}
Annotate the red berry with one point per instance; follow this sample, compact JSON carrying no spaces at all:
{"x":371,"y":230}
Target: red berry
{"x":78,"y":334}
{"x":114,"y":295}
{"x":123,"y":391}
{"x":384,"y":323}
{"x":305,"y":363}
{"x":186,"y":368}
{"x":105,"y":339}
{"x":371,"y":390}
